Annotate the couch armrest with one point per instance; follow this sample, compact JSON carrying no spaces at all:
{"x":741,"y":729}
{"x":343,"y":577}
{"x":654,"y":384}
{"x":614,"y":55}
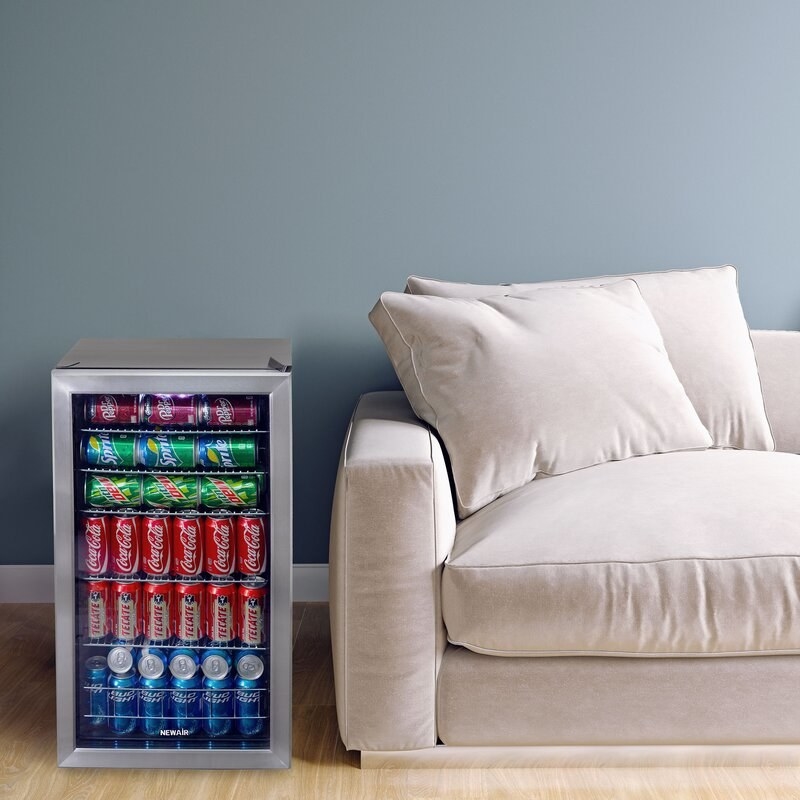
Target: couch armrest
{"x":778,"y":357}
{"x":393,"y":525}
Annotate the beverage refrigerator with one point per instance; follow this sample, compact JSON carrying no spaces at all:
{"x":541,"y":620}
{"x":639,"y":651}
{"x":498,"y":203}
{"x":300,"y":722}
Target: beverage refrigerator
{"x":173,"y":551}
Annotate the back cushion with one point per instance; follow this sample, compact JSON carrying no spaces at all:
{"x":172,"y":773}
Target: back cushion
{"x":705,"y":334}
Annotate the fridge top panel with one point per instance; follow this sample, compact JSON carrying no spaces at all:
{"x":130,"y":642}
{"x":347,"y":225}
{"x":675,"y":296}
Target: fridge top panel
{"x":235,"y":354}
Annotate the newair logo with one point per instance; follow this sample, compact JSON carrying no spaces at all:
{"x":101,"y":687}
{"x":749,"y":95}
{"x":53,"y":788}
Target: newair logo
{"x":110,"y":490}
{"x":173,"y":732}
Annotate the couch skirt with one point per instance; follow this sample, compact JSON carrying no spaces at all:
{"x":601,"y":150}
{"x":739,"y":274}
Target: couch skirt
{"x":488,"y":700}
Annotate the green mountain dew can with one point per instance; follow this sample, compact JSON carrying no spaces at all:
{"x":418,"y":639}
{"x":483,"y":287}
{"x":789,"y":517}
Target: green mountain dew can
{"x":222,"y":452}
{"x":113,"y":491}
{"x":166,"y":451}
{"x":218,"y":491}
{"x":110,"y":450}
{"x":170,"y":491}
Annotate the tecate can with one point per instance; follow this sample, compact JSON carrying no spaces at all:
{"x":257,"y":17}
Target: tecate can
{"x":229,"y":492}
{"x":157,"y":604}
{"x":253,"y":611}
{"x":152,"y":662}
{"x":112,"y":409}
{"x":96,"y":676}
{"x":217,"y":705}
{"x":249,"y":703}
{"x":98,"y":610}
{"x":156,"y":544}
{"x":94,"y":545}
{"x":184,"y":662}
{"x":125,"y":544}
{"x":109,"y":450}
{"x":187,"y":546}
{"x":187,"y":706}
{"x":123,"y":706}
{"x":169,"y":409}
{"x":221,"y":613}
{"x":165,"y":451}
{"x":216,"y":663}
{"x":226,"y":452}
{"x":229,"y":411}
{"x":113,"y":491}
{"x":127,"y":610}
{"x":219,"y":540}
{"x":154,"y":705}
{"x":251,"y":545}
{"x":189,"y":603}
{"x":170,"y":491}
{"x":120,"y":659}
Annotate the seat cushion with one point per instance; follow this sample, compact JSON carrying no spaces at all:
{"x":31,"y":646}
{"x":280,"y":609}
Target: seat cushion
{"x":679,"y":554}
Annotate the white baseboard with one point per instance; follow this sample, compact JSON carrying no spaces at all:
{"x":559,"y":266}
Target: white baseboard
{"x":33,"y":583}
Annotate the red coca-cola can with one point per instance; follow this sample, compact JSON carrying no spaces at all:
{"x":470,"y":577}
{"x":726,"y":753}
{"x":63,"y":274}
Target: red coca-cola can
{"x":253,"y":613}
{"x":127,"y":621}
{"x":94,"y":545}
{"x":125,"y":544}
{"x":229,"y":411}
{"x":169,"y":409}
{"x":157,"y":605}
{"x":221,"y":612}
{"x":98,"y":612}
{"x":187,"y":546}
{"x":188,"y":614}
{"x":112,"y":409}
{"x":251,"y":545}
{"x":156,"y":544}
{"x":220,"y":545}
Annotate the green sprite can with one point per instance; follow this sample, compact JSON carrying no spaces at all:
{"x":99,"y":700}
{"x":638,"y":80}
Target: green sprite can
{"x":219,"y":491}
{"x":223,"y":452}
{"x":170,"y":491}
{"x":110,"y":450}
{"x":113,"y":491}
{"x":165,"y":451}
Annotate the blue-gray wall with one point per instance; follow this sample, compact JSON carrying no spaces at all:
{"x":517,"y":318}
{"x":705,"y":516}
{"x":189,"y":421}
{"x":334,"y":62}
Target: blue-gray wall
{"x":234,"y":168}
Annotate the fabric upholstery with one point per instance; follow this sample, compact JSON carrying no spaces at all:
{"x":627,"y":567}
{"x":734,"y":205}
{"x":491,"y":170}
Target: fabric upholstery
{"x":617,"y":701}
{"x":551,"y":382}
{"x":705,"y":334}
{"x":694,"y":554}
{"x":393,"y":524}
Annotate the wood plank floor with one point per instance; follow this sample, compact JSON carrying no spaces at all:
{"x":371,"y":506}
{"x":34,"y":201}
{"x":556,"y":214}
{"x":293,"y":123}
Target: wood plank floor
{"x":321,"y":766}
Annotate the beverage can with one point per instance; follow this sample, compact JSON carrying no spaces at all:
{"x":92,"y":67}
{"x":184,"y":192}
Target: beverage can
{"x":221,"y":613}
{"x":112,"y":409}
{"x":127,"y":610}
{"x":99,"y":610}
{"x":165,"y":451}
{"x":187,"y":545}
{"x":226,"y":452}
{"x":154,"y":704}
{"x":178,"y":410}
{"x":125,"y":544}
{"x":96,"y":674}
{"x":187,"y":706}
{"x":184,"y":663}
{"x":152,"y":663}
{"x":250,"y":701}
{"x":109,"y":450}
{"x":229,"y":411}
{"x":216,"y":663}
{"x":189,"y":614}
{"x":217,"y":704}
{"x":249,"y":665}
{"x":113,"y":491}
{"x":251,"y":545}
{"x":123,"y":705}
{"x":156,"y":544}
{"x":120,"y":659}
{"x":222,"y":491}
{"x":253,"y":613}
{"x":170,"y":491}
{"x":94,"y":545}
{"x":157,"y":603}
{"x":219,"y":539}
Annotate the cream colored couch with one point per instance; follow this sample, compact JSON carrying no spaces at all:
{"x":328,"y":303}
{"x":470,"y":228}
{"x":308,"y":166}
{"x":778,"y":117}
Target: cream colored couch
{"x":679,"y":573}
